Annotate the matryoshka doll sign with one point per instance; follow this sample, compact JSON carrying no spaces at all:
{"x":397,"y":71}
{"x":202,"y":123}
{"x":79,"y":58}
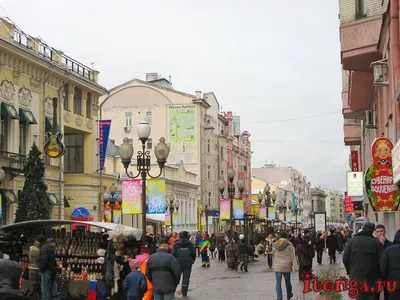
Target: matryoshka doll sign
{"x":382,"y":192}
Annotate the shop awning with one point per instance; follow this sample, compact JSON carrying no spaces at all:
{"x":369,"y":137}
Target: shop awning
{"x":9,"y":196}
{"x":53,"y":200}
{"x":8,"y":110}
{"x":27,"y":116}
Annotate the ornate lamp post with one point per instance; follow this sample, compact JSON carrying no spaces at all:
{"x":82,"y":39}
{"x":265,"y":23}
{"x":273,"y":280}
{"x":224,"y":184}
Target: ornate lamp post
{"x":161,"y":151}
{"x":173,"y":206}
{"x":231,"y":191}
{"x":109,"y":197}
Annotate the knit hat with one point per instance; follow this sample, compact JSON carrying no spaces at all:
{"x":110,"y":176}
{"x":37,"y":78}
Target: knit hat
{"x":142,"y":257}
{"x":369,"y":227}
{"x":241,"y":236}
{"x":13,"y":273}
{"x":134,"y":264}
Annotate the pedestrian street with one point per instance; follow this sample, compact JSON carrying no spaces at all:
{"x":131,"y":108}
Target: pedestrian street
{"x":219,"y":282}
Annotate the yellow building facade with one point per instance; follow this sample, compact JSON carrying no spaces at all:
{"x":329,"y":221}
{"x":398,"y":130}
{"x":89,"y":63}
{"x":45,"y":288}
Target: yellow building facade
{"x":31,"y":74}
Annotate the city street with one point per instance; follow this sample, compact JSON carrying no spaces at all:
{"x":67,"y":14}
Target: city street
{"x":219,"y":282}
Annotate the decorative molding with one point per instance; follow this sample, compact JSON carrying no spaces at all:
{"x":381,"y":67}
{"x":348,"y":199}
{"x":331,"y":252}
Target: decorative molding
{"x":67,"y":117}
{"x":89,"y":124}
{"x":78,"y":121}
{"x":96,"y":109}
{"x":16,"y":76}
{"x":25,"y":97}
{"x":49,"y":106}
{"x":7,"y":90}
{"x":35,"y":84}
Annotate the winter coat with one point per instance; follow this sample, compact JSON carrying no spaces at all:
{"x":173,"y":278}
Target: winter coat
{"x":163,"y":272}
{"x":34,"y":255}
{"x":362,"y":257}
{"x":142,"y":258}
{"x":332,"y":244}
{"x":204,"y":245}
{"x":11,"y":294}
{"x":283,"y":255}
{"x":390,"y":264}
{"x":213,"y":241}
{"x":135,"y":284}
{"x":185,"y":253}
{"x":305,"y":254}
{"x":221,"y":242}
{"x":319,"y":243}
{"x":268,"y":246}
{"x":47,"y":259}
{"x":339,"y":238}
{"x":243,"y":247}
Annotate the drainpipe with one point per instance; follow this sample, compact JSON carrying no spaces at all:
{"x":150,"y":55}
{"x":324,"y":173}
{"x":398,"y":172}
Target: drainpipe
{"x":101,"y":202}
{"x":44,"y":105}
{"x":61,"y":166}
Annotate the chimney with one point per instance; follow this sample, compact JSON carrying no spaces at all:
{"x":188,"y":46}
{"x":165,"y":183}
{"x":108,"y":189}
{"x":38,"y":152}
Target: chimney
{"x":198,"y":94}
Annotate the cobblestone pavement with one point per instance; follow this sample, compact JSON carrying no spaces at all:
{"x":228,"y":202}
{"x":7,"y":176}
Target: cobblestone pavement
{"x":219,"y":282}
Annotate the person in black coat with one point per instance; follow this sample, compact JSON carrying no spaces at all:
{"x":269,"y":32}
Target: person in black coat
{"x":319,"y":246}
{"x":332,"y":245}
{"x":9,"y":280}
{"x":185,"y":253}
{"x":305,"y":253}
{"x":390,"y":265}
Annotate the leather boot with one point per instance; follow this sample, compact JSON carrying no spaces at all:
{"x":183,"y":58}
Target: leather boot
{"x":185,"y":291}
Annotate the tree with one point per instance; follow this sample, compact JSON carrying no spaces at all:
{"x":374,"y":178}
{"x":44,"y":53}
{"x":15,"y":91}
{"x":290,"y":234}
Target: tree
{"x":33,"y":203}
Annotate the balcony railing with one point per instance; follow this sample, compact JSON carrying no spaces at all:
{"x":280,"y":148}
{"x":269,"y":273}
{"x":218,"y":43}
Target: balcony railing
{"x":13,"y":160}
{"x":48,"y":53}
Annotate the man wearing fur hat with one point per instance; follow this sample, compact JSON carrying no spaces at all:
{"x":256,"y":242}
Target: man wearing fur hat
{"x":362,"y":257}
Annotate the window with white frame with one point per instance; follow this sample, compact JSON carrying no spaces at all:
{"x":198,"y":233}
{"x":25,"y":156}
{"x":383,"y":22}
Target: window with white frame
{"x":128,"y":119}
{"x":148,"y":117}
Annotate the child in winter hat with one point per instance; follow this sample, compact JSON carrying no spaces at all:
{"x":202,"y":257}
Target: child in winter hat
{"x":135,"y":283}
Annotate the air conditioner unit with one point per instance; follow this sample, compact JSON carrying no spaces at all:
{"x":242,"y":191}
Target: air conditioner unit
{"x":127,"y":129}
{"x":370,"y":119}
{"x":380,"y":72}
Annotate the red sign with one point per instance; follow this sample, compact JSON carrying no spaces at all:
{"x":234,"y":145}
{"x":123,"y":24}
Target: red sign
{"x":354,"y":161}
{"x":348,"y":204}
{"x":382,"y":192}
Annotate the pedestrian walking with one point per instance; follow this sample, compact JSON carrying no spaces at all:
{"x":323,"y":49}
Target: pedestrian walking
{"x":199,"y":237}
{"x":163,"y":272}
{"x":305,"y":253}
{"x":143,"y":257}
{"x":243,"y":249}
{"x":285,"y":261}
{"x":390,"y":265}
{"x":204,"y":246}
{"x":222,"y":241}
{"x":268,"y":249}
{"x":213,"y":245}
{"x":185,"y":253}
{"x":380,"y":232}
{"x":232,"y":255}
{"x":9,"y":280}
{"x":319,"y":246}
{"x":48,"y":270}
{"x":362,"y":257}
{"x":135,"y":282}
{"x":332,"y":245}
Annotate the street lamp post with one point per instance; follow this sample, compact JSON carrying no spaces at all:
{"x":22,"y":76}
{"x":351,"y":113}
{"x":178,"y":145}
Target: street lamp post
{"x":231,"y":191}
{"x":161,"y":151}
{"x":109,"y":197}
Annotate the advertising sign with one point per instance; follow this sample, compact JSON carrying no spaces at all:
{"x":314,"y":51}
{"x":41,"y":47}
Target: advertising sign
{"x":104,"y":129}
{"x":382,"y":192}
{"x":355,"y":184}
{"x":320,"y":222}
{"x":354,"y":161}
{"x":348,"y":204}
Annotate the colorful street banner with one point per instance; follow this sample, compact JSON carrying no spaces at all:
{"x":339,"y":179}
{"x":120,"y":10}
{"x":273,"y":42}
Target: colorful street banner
{"x":209,"y":220}
{"x":175,"y":219}
{"x":131,"y":202}
{"x":225,"y":209}
{"x":272,"y":213}
{"x":104,"y":129}
{"x":382,"y":192}
{"x":299,"y":218}
{"x":156,"y":196}
{"x":168,"y":220}
{"x":238,"y":209}
{"x":293,"y":219}
{"x":117,"y":216}
{"x":288,"y":217}
{"x":263,"y":212}
{"x":203,"y":221}
{"x":281,"y":217}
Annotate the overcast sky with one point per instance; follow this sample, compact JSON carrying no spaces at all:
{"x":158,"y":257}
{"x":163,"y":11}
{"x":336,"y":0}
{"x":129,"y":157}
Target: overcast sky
{"x":265,"y":60}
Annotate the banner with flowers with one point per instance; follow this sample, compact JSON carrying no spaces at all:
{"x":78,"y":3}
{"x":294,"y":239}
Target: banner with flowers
{"x":281,"y":217}
{"x":263,"y":212}
{"x":288,"y":216}
{"x":225,"y":209}
{"x":131,"y":202}
{"x":238,"y":209}
{"x":203,"y":220}
{"x":272,"y":213}
{"x":167,"y":220}
{"x":175,"y":219}
{"x":210,"y":220}
{"x":156,"y":192}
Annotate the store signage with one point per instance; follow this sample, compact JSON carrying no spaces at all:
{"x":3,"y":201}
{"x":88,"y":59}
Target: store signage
{"x":320,"y":222}
{"x":104,"y":129}
{"x":381,"y":189}
{"x":396,"y":162}
{"x":354,"y":161}
{"x":355,"y":184}
{"x":81,"y":214}
{"x":348,"y":204}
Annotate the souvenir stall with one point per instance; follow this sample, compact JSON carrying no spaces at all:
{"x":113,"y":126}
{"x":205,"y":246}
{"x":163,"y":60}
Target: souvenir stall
{"x":91,"y":256}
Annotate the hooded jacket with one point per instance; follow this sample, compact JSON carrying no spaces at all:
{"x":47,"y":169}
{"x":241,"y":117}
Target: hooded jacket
{"x":9,"y":281}
{"x":390,"y":263}
{"x":283,"y":256}
{"x":185,"y":253}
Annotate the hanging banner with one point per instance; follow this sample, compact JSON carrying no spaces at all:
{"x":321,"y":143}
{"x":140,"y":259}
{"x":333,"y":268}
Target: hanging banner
{"x":203,"y":221}
{"x":288,"y":217}
{"x":117,"y":216}
{"x":175,"y":219}
{"x":156,"y":196}
{"x":167,"y":220}
{"x":238,"y":209}
{"x":263,"y":212}
{"x":354,"y":161}
{"x":272,"y":213}
{"x":209,"y":220}
{"x":255,"y":209}
{"x":225,"y":209}
{"x":281,"y":217}
{"x":293,"y":218}
{"x":382,"y":192}
{"x":104,"y":129}
{"x":131,"y":202}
